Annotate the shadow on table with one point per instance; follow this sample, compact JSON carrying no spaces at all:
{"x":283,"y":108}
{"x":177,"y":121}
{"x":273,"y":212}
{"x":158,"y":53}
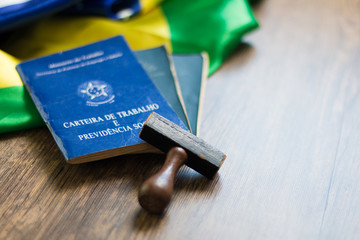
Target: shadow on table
{"x":190,"y":187}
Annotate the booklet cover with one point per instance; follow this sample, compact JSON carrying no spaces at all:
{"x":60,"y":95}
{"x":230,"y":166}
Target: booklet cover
{"x":94,"y":99}
{"x":191,"y":72}
{"x":180,"y":78}
{"x":158,"y":65}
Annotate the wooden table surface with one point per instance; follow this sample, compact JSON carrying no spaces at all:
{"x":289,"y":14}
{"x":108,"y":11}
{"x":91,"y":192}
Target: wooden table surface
{"x":285,"y":108}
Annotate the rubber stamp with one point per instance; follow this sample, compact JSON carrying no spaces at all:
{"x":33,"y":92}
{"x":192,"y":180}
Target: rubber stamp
{"x":182,"y":148}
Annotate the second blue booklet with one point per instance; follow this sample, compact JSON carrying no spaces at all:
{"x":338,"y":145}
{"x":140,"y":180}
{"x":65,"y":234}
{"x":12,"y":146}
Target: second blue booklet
{"x":94,"y":99}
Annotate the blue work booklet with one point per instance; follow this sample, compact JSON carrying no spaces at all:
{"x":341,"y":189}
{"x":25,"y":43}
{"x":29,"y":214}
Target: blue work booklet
{"x":94,"y":99}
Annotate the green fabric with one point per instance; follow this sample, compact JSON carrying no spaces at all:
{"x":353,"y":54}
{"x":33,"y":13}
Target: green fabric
{"x":17,"y":110}
{"x":212,"y":25}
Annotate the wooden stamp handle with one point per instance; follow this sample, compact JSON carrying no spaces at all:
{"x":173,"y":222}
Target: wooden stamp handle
{"x":155,"y":193}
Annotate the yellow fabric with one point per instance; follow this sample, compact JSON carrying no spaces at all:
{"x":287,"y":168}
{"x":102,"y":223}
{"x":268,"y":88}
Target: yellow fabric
{"x":8,"y":74}
{"x":59,"y":33}
{"x":147,"y":5}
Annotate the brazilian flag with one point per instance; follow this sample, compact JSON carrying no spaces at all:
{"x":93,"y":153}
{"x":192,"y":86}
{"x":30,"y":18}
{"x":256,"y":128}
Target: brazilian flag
{"x":183,"y":26}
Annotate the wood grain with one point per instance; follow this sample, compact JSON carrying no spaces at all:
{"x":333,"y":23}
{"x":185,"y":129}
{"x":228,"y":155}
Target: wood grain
{"x":285,"y":108}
